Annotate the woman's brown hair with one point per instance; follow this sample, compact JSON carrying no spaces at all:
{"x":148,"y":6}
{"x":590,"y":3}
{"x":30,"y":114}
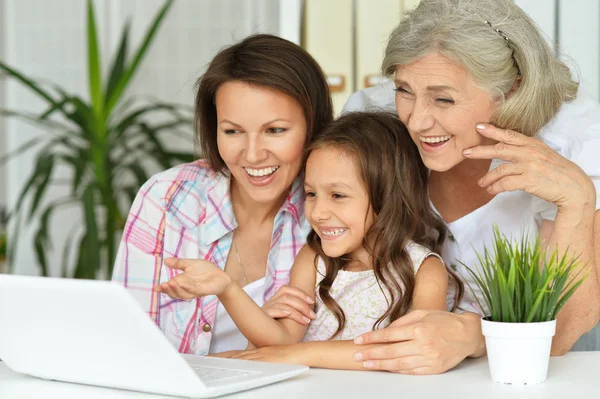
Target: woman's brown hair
{"x":397,"y":184}
{"x":267,"y":61}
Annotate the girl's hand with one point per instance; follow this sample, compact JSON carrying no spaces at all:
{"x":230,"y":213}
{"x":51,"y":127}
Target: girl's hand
{"x":423,"y":342}
{"x":292,"y":303}
{"x":533,"y":167}
{"x":199,"y":278}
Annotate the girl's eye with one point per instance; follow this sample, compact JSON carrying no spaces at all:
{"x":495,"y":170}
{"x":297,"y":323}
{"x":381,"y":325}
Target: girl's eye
{"x":276,"y":130}
{"x":310,"y":194}
{"x":445,"y":100}
{"x":338,"y":196}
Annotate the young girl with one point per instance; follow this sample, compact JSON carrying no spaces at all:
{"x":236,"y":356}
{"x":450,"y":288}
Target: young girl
{"x":368,"y":259}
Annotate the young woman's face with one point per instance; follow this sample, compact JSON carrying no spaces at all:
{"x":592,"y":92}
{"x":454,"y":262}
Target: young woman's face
{"x":260,"y":135}
{"x":440,"y":105}
{"x":337,"y":203}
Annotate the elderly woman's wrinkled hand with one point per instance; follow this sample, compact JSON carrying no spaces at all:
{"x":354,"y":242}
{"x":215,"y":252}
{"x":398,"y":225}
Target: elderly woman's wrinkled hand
{"x":423,"y":342}
{"x":532,"y":167}
{"x":198,"y":278}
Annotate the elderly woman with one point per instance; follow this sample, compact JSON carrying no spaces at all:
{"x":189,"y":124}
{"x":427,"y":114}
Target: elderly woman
{"x":510,"y":140}
{"x":258,"y":106}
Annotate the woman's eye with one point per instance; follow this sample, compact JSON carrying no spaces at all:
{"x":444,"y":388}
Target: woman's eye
{"x":231,"y":131}
{"x":276,"y":130}
{"x":402,"y":90}
{"x":338,"y":196}
{"x":444,"y":100}
{"x":310,"y":194}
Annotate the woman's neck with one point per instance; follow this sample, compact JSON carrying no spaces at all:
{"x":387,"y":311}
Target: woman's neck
{"x":456,"y":192}
{"x":249,"y":212}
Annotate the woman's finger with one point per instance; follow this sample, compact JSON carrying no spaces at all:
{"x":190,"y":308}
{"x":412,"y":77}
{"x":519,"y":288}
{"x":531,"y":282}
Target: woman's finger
{"x":386,"y":335}
{"x":503,"y":135}
{"x":397,"y":365}
{"x":281,"y":311}
{"x":509,"y":183}
{"x":292,"y":302}
{"x":500,"y":150}
{"x":294,"y":291}
{"x":503,"y":170}
{"x":388,"y":351}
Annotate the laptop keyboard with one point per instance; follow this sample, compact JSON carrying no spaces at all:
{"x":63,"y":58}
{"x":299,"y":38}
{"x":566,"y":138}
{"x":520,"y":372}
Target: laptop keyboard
{"x":211,"y":375}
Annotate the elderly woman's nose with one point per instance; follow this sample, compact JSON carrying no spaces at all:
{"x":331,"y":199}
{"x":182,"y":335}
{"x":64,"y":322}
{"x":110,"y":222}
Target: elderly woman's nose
{"x":420,"y":118}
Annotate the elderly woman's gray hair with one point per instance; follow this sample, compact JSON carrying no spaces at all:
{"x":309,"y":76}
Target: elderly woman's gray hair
{"x":499,"y":46}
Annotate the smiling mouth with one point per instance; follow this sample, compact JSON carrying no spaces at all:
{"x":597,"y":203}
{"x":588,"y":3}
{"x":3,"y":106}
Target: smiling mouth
{"x":333,"y":232}
{"x":263,"y":172}
{"x":435,"y":140}
{"x":433,"y":143}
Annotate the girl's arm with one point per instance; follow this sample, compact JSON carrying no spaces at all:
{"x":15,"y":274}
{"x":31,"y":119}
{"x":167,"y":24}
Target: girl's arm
{"x":322,"y":354}
{"x":431,"y":285}
{"x":258,"y":327}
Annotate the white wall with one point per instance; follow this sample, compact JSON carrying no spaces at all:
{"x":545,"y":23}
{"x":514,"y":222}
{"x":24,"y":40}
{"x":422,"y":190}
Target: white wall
{"x":47,"y":39}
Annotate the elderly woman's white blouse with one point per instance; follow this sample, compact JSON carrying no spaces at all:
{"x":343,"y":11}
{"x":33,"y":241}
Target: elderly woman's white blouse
{"x":574,"y":133}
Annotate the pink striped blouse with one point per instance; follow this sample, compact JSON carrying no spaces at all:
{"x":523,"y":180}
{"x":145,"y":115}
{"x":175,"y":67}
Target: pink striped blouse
{"x":186,"y":212}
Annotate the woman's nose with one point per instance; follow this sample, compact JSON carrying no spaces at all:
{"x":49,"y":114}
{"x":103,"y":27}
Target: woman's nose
{"x":255,"y":148}
{"x":420,"y":118}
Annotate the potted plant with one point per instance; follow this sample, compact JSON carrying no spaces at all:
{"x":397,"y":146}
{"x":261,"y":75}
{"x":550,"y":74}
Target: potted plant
{"x":523,"y":290}
{"x":107,"y":145}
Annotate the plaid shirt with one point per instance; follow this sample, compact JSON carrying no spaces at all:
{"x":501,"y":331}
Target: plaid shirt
{"x":186,"y":212}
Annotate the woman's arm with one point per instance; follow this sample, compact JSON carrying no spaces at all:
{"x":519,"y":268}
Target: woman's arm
{"x":538,"y":170}
{"x":576,"y":230}
{"x":139,"y":261}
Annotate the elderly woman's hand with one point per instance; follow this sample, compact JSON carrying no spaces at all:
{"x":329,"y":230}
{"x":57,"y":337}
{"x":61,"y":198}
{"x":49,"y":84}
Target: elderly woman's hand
{"x":532,"y":167}
{"x":423,"y":342}
{"x":199,"y":278}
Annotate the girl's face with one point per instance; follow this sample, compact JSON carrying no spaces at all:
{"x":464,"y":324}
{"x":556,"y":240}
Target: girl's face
{"x":440,"y":105}
{"x":260,"y":135}
{"x":337,"y":203}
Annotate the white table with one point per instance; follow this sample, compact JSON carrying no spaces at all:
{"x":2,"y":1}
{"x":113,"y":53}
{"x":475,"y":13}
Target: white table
{"x":575,"y":375}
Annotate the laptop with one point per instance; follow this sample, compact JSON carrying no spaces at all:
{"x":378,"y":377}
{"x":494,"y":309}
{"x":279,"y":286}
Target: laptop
{"x":95,"y":333}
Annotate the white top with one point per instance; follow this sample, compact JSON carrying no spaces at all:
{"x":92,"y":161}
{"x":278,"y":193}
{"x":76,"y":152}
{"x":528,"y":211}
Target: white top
{"x":360,"y":297}
{"x":574,"y":133}
{"x":574,"y":375}
{"x":226,"y":335}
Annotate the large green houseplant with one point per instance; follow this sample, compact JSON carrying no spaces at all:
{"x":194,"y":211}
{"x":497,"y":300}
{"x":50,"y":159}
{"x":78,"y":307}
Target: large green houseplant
{"x":108,"y":143}
{"x":523,"y":289}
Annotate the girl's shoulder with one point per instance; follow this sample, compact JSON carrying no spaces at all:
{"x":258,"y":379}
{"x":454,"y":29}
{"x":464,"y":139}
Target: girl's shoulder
{"x":418,"y":253}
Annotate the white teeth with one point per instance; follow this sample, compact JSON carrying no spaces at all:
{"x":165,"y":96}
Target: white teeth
{"x":436,"y":139}
{"x":261,"y":172}
{"x":333,"y":233}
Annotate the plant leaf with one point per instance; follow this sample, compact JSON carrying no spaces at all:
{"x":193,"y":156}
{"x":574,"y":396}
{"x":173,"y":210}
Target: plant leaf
{"x":132,"y":69}
{"x":94,"y":68}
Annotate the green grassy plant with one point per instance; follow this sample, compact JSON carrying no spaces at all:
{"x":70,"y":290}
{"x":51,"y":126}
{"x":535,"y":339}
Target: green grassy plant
{"x":521,"y":284}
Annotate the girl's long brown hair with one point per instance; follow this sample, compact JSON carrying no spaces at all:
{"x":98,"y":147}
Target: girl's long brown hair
{"x":397,"y":184}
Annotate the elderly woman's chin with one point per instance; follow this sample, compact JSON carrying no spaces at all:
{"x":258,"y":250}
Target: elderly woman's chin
{"x":442,"y":161}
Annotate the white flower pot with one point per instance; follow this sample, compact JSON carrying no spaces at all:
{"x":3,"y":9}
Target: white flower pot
{"x":518,"y":353}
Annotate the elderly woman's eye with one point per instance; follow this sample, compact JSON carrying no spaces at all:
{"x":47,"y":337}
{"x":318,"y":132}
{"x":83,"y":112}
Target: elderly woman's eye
{"x":402,"y":90}
{"x":445,"y":100}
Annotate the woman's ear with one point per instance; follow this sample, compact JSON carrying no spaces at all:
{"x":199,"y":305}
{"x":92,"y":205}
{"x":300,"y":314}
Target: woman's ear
{"x":514,"y":87}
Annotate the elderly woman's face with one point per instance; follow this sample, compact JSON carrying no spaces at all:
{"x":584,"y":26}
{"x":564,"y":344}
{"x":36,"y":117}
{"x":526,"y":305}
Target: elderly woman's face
{"x":440,"y":105}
